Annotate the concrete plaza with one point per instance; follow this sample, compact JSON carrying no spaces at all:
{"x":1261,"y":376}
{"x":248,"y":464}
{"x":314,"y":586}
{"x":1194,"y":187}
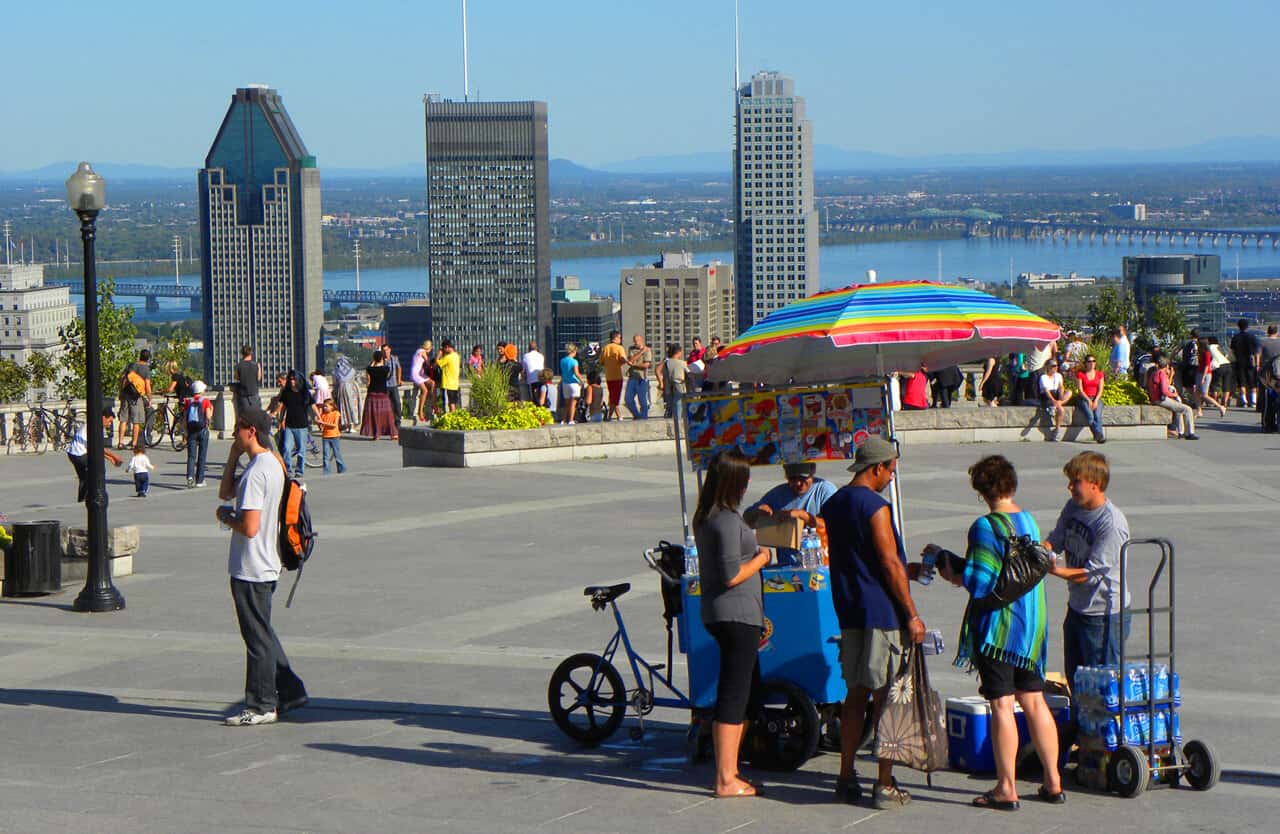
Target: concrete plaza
{"x":439,"y":602}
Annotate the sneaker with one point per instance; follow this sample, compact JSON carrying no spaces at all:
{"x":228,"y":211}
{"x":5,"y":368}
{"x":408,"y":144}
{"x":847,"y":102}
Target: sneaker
{"x":292,"y":704}
{"x":191,"y":482}
{"x":251,"y":718}
{"x":849,"y":790}
{"x":199,"y":483}
{"x":1191,"y":437}
{"x":884,"y":799}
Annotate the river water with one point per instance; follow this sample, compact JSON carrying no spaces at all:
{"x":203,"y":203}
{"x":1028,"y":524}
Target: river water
{"x":839,"y":265}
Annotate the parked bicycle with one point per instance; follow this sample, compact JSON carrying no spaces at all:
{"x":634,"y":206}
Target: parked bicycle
{"x":166,"y":420}
{"x":40,"y":428}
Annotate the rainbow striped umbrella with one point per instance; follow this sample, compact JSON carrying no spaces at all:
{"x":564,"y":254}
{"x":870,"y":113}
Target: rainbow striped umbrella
{"x":873,"y":329}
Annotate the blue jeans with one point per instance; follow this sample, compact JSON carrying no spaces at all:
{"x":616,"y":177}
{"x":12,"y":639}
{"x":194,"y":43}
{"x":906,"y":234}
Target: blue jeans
{"x":197,"y":450}
{"x":1091,"y":640}
{"x":295,"y":447}
{"x":637,"y":398}
{"x":329,"y":449}
{"x":141,"y":482}
{"x":1092,"y":417}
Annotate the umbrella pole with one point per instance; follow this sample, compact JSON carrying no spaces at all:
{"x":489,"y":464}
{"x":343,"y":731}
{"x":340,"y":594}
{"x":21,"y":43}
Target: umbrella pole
{"x":678,"y":404}
{"x":895,"y":487}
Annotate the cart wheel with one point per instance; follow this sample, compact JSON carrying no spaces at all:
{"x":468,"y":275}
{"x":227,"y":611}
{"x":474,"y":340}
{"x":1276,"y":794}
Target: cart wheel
{"x":1203,"y":769}
{"x":783,"y":733}
{"x":1127,"y":773}
{"x":587,"y":698}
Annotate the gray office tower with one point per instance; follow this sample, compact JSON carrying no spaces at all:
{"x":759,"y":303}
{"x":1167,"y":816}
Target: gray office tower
{"x":487,"y":220}
{"x":262,"y":272}
{"x":775,"y":224}
{"x":1193,"y":281}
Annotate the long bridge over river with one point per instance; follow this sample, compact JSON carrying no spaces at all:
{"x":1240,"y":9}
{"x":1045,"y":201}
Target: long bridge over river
{"x":151,"y":293}
{"x":1052,"y":231}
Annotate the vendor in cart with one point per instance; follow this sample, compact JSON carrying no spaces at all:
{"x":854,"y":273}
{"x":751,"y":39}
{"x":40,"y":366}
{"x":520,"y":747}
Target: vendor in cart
{"x":801,"y":497}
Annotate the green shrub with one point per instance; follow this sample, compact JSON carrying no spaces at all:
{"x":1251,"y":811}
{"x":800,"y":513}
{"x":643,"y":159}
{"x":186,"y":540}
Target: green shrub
{"x":1119,"y":390}
{"x":489,"y":391}
{"x":512,"y":416}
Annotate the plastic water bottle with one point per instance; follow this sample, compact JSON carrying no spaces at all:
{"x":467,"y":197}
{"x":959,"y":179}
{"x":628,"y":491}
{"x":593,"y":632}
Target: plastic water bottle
{"x":1080,"y":683}
{"x":1160,"y":727}
{"x":1110,"y":735}
{"x":1160,"y":681}
{"x":1109,"y":686}
{"x":809,"y":550}
{"x":690,"y":556}
{"x":928,"y":561}
{"x":1174,"y":727}
{"x":932,"y":642}
{"x":1175,"y":691}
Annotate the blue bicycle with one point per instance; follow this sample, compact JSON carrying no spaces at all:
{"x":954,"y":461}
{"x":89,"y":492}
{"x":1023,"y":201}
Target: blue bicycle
{"x":588,"y":698}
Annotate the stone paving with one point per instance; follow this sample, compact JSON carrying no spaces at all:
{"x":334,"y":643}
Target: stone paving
{"x":439,"y":602}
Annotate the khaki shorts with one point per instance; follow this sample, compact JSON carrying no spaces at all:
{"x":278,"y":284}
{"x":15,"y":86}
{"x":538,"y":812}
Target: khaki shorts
{"x":869,"y":657}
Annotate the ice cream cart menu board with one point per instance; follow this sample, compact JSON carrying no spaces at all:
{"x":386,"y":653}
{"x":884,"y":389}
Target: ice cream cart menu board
{"x":785,"y":426}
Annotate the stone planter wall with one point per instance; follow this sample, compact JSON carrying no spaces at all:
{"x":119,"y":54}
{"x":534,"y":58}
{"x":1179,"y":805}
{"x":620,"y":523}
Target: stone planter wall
{"x":122,"y":546}
{"x":422,"y":446}
{"x":1015,"y":423}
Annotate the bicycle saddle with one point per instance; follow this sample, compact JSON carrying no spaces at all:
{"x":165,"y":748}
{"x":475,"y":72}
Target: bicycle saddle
{"x":605,"y":593}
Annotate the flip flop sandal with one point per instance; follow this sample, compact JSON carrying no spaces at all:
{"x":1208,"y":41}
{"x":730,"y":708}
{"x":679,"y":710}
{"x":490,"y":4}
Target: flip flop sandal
{"x":988,"y":800}
{"x":747,"y":790}
{"x":1059,"y":798}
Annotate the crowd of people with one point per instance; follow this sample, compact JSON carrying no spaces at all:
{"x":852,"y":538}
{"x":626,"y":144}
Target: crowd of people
{"x":879,"y":616}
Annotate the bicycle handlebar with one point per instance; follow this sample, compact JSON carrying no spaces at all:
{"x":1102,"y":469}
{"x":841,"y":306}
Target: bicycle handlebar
{"x":653,"y":564}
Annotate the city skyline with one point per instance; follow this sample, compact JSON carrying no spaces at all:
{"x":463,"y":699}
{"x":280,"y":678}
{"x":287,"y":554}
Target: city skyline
{"x":908,"y":81}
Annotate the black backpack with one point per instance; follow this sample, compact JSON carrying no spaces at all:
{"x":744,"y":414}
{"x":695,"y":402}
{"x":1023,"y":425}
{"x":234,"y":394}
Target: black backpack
{"x":1189,"y":357}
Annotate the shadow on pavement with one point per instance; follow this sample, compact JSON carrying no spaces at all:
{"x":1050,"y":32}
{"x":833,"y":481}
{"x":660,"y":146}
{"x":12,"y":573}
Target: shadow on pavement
{"x":100,"y":702}
{"x":1251,"y":777}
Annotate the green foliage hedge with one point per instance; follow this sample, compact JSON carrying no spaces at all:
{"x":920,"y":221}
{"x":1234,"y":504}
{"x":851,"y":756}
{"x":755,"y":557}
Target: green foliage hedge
{"x":1119,"y":390}
{"x":514,"y":416}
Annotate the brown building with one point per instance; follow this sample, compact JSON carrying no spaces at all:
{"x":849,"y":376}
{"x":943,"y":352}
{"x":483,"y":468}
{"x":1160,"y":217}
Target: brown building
{"x":672,"y":301}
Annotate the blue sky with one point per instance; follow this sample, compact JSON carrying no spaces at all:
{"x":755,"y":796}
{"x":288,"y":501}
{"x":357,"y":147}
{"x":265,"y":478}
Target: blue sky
{"x":148,"y":82}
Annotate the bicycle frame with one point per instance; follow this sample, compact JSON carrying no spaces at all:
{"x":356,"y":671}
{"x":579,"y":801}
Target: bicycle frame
{"x":636,"y":661}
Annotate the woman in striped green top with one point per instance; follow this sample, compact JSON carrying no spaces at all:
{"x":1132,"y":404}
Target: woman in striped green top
{"x":1006,"y":646}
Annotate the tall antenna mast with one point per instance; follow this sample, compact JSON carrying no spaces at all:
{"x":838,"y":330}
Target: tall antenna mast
{"x":466,"y":72}
{"x":737,"y":39}
{"x":8,"y":258}
{"x":177,"y":259}
{"x":358,"y":295}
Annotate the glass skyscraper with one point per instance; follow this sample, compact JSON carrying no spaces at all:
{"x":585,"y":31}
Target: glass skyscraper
{"x":262,"y":273}
{"x":487,"y":217}
{"x":775,"y":222}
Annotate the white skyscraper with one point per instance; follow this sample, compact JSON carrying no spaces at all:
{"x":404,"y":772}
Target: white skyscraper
{"x":776,"y":224}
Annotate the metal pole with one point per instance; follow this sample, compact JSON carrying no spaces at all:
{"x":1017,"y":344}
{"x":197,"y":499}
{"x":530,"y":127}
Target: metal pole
{"x":99,"y":594}
{"x":678,"y":405}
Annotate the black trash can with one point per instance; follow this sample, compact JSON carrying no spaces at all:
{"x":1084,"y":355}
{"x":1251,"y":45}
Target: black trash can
{"x":33,"y":563}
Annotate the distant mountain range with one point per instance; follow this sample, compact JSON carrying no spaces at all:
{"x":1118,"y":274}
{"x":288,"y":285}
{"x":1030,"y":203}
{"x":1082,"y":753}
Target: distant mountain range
{"x":828,"y":160}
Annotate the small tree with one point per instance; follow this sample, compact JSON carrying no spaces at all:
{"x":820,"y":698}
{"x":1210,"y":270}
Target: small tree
{"x":13,"y":381}
{"x":174,"y":349}
{"x":116,"y":332}
{"x":1167,"y":320}
{"x":1111,"y":310}
{"x":488,"y":390}
{"x":40,"y":370}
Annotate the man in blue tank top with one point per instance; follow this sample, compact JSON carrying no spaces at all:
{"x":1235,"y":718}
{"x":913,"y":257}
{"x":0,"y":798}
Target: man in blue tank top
{"x":869,"y":575}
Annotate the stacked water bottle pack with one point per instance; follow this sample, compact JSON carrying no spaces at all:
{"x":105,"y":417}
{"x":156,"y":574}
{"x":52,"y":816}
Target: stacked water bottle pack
{"x":1097,"y":691}
{"x":811,"y":553}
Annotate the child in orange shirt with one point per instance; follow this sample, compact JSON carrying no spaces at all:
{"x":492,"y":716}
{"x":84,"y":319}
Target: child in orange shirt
{"x":331,"y":436}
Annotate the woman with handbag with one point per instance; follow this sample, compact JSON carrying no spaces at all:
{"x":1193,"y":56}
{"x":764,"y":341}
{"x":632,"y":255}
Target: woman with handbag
{"x":1005,"y":631}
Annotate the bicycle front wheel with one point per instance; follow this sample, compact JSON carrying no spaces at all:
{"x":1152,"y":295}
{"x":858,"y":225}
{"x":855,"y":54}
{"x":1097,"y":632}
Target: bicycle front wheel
{"x":156,"y":427}
{"x":178,"y":436}
{"x":38,"y":435}
{"x":587,"y":698}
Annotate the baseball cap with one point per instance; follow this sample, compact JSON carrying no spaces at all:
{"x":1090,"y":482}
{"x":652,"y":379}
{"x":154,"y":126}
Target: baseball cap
{"x":873,"y":450}
{"x":258,"y":420}
{"x":798,"y":470}
{"x":198,"y":387}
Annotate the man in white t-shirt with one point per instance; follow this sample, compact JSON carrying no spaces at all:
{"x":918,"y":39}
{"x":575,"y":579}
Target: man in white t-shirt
{"x":270,"y":687}
{"x":532,"y":363}
{"x":1053,"y":396}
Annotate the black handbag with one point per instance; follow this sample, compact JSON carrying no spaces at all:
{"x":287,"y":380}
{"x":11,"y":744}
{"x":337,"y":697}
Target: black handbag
{"x":1025,"y":564}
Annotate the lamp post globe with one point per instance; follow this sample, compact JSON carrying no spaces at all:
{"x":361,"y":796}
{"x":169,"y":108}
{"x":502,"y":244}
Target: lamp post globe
{"x":87,"y":195}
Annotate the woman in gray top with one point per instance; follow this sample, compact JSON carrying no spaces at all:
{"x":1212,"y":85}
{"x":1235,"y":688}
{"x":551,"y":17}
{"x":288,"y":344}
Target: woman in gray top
{"x":729,"y":564}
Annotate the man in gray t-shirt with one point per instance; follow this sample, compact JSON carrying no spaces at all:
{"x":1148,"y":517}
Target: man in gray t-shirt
{"x":1088,"y":537}
{"x":271,"y":687}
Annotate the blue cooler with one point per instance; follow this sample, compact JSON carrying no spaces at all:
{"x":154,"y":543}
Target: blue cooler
{"x":969,"y":731}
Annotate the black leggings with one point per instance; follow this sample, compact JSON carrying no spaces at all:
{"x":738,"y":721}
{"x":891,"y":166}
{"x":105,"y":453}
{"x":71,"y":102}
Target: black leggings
{"x":739,"y":669}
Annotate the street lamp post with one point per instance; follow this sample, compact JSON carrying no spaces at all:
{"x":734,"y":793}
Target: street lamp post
{"x":86,"y":192}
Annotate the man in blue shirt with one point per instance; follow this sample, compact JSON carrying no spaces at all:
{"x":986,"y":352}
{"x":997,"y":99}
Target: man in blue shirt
{"x":801,"y":497}
{"x":869,"y":575}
